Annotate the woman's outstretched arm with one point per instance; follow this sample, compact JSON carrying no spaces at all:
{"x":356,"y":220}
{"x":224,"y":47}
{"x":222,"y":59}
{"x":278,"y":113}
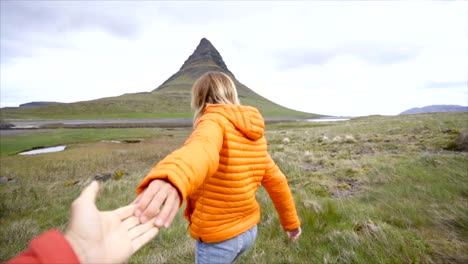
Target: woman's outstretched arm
{"x":170,"y":182}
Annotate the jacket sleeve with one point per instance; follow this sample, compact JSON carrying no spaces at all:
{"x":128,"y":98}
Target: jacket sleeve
{"x":50,"y":247}
{"x":187,"y":167}
{"x":277,"y":187}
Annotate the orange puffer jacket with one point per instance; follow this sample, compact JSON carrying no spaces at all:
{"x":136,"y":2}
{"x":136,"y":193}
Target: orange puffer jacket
{"x":218,"y":171}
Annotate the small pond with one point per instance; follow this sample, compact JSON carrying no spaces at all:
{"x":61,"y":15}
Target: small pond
{"x":43,"y":150}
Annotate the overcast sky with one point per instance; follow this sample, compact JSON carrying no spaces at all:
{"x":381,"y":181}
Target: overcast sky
{"x":335,"y":58}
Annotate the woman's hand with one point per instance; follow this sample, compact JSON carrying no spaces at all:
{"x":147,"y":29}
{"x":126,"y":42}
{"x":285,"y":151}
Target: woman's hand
{"x":160,"y":200}
{"x":294,"y":234}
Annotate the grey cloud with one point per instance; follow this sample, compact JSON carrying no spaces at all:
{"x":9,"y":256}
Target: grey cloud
{"x":28,"y":26}
{"x":9,"y":51}
{"x":296,"y":59}
{"x":195,"y":12}
{"x":376,"y":54}
{"x":59,"y":16}
{"x":385,"y":54}
{"x":443,"y":85}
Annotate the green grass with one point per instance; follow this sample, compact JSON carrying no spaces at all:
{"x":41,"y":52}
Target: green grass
{"x":93,"y":116}
{"x":370,"y":190}
{"x":48,"y":138}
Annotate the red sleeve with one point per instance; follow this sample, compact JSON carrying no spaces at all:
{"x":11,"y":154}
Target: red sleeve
{"x":50,"y":247}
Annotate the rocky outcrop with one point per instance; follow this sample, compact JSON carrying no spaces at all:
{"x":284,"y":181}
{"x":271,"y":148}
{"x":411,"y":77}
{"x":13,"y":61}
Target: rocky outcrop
{"x":205,"y":52}
{"x":205,"y":58}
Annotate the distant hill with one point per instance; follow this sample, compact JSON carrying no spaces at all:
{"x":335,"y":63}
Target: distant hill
{"x":436,"y":108}
{"x":30,"y":104}
{"x":170,"y":100}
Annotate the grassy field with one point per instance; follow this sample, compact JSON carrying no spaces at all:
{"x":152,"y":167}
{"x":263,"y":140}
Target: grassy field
{"x":369,"y":190}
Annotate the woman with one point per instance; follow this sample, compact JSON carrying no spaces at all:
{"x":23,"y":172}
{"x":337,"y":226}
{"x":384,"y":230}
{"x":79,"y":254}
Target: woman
{"x":218,"y":171}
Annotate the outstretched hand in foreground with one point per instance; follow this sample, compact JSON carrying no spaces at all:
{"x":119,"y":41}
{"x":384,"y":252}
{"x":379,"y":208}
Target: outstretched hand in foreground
{"x":105,"y":237}
{"x":160,"y":200}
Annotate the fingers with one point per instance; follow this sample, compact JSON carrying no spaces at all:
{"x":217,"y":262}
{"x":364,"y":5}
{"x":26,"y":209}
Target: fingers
{"x":159,"y":193}
{"x":139,"y":234}
{"x":153,"y":209}
{"x":294,"y":238}
{"x":141,"y":240}
{"x":147,"y":197}
{"x":137,"y":200}
{"x":172,"y":215}
{"x":90,"y":192}
{"x":169,"y":210}
{"x":125,"y":212}
{"x":294,"y":234}
{"x":131,"y":222}
{"x":139,"y":229}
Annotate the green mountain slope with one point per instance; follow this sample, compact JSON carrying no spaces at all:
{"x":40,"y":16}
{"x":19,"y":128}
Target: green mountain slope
{"x":170,"y":100}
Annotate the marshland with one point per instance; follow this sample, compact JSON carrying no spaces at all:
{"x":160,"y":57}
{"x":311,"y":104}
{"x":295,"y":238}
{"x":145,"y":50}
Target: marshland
{"x":376,"y":189}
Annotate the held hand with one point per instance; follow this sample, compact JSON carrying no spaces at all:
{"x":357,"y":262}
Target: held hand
{"x":105,"y":237}
{"x":160,"y":200}
{"x":293,"y":235}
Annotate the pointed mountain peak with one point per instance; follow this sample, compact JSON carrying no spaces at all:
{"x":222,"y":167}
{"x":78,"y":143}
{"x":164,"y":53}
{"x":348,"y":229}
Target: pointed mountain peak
{"x":205,"y":41}
{"x":205,"y":54}
{"x":205,"y":58}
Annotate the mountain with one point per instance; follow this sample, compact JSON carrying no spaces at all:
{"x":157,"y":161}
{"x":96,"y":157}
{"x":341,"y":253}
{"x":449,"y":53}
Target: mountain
{"x":169,"y":100}
{"x":435,"y":108}
{"x":204,"y":58}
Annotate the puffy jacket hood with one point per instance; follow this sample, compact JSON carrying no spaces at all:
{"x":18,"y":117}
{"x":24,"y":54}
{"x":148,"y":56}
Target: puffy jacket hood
{"x":245,"y":118}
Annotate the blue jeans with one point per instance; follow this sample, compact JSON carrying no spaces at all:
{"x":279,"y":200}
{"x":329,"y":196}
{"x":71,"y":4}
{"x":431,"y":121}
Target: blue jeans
{"x":226,"y":251}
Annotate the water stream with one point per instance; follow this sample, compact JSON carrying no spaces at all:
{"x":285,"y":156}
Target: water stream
{"x":43,"y":150}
